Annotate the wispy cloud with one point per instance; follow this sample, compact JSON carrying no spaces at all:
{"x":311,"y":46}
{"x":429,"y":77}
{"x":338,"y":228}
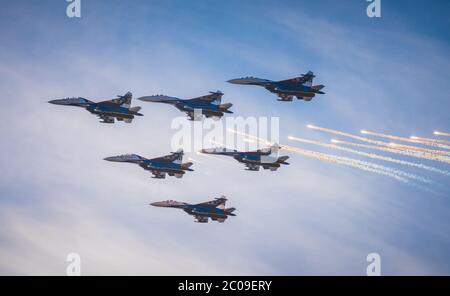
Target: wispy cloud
{"x":57,"y":195}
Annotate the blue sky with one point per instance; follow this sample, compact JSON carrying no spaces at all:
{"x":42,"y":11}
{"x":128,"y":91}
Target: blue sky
{"x":58,"y":196}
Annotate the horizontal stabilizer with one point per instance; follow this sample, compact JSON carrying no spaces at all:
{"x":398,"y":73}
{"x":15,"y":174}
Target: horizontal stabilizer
{"x":225,"y":106}
{"x":318,"y":88}
{"x":135,"y":109}
{"x":186,"y":166}
{"x":230,"y":211}
{"x":283,"y":159}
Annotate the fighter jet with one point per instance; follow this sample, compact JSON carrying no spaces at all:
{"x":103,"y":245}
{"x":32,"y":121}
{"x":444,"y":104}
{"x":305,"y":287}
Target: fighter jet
{"x":214,"y":209}
{"x":118,"y":108}
{"x":253,"y":160}
{"x":208,"y":105}
{"x":169,"y":164}
{"x":300,"y":87}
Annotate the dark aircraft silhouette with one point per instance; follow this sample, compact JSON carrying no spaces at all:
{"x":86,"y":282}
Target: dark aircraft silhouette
{"x":118,"y":108}
{"x":214,"y":209}
{"x":209,"y":105}
{"x":300,"y":87}
{"x":170,"y":164}
{"x":253,"y":160}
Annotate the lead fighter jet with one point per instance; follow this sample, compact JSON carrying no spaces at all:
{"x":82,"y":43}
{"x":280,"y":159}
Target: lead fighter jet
{"x":253,"y":160}
{"x":300,"y":87}
{"x":214,"y":209}
{"x":170,"y":164}
{"x":118,"y":108}
{"x":208,"y":105}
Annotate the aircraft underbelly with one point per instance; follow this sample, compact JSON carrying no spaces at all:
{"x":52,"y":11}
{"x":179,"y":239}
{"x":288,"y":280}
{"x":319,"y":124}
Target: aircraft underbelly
{"x":111,"y":113}
{"x":166,"y":170}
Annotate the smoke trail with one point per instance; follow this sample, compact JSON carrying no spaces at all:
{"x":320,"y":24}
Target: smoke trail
{"x":442,"y":134}
{"x":335,"y":132}
{"x":425,"y":155}
{"x":366,"y":166}
{"x":370,"y":155}
{"x":429,"y":140}
{"x":424,"y":150}
{"x":397,"y":138}
{"x":414,"y":164}
{"x":345,"y":161}
{"x":397,"y":151}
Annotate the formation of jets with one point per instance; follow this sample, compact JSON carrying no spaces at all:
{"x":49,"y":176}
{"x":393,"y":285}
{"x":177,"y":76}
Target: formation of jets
{"x":209,"y":105}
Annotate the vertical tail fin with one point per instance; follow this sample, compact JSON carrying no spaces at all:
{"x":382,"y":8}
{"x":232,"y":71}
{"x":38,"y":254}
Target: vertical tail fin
{"x":126,"y":100}
{"x":217,"y":96}
{"x":274,"y":149}
{"x":178,"y":156}
{"x":308,"y":78}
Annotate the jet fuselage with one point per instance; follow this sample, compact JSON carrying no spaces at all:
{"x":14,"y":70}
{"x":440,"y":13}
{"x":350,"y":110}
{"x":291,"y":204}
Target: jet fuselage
{"x":205,"y":211}
{"x":166,"y":167}
{"x":292,"y":89}
{"x":110,"y":109}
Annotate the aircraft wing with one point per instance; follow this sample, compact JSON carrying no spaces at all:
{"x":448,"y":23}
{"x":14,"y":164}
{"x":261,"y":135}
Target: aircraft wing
{"x":201,"y":219}
{"x":168,"y":158}
{"x":215,"y":202}
{"x":213,"y":98}
{"x":124,"y":100}
{"x":305,"y":78}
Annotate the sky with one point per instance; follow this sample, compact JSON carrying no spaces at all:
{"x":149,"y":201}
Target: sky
{"x":58,"y":195}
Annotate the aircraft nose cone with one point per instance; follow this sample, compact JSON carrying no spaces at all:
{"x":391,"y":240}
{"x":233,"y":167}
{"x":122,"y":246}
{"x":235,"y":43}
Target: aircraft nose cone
{"x":54,"y":102}
{"x":234,"y":81}
{"x":159,"y":204}
{"x":111,"y":158}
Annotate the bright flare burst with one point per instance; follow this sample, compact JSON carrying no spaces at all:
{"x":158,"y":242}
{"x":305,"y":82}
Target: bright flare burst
{"x":426,"y":153}
{"x":410,"y":140}
{"x":411,"y":153}
{"x":363,"y":165}
{"x":370,"y":155}
{"x":429,"y":140}
{"x":442,"y":134}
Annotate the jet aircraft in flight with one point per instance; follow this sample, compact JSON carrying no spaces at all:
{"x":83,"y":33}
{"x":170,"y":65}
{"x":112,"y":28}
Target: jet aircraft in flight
{"x":118,"y":108}
{"x":209,"y":105}
{"x":253,"y":160}
{"x":171,"y":164}
{"x":214,"y":209}
{"x":300,"y":87}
